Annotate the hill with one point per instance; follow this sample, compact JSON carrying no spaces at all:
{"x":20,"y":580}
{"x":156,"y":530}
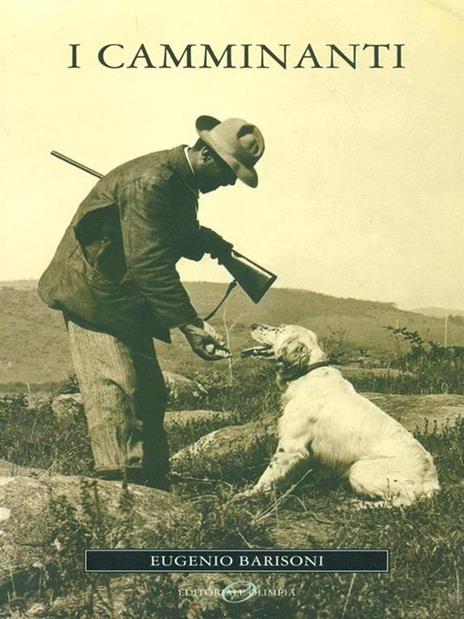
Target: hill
{"x":34,"y":347}
{"x":439,"y":312}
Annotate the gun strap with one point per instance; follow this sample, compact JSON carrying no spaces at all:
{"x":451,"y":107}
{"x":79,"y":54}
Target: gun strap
{"x":230,"y":287}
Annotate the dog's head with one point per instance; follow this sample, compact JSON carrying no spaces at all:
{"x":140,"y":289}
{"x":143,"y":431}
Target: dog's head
{"x":294,"y":348}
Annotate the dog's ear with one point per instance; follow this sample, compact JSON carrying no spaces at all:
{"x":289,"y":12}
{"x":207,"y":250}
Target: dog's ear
{"x":292,"y":360}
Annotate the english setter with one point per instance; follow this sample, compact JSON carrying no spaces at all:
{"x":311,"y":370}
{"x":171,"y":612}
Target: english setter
{"x":324,"y":419}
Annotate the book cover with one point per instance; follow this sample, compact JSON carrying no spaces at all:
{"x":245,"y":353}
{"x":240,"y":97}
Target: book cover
{"x":358,"y":212}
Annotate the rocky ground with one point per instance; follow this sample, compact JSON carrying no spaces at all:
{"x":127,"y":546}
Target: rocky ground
{"x":42,"y":513}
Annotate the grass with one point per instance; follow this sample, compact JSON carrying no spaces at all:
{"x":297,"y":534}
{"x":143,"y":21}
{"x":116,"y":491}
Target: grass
{"x":426,"y":540}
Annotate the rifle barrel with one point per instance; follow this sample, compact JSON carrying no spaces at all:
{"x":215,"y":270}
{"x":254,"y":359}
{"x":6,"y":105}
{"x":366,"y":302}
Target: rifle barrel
{"x":76,"y":164}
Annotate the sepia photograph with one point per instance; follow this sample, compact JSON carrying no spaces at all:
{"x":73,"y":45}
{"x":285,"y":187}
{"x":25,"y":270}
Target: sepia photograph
{"x":232,"y":309}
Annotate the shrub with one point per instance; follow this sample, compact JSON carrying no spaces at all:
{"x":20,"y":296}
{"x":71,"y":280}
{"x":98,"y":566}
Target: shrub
{"x":425,"y":368}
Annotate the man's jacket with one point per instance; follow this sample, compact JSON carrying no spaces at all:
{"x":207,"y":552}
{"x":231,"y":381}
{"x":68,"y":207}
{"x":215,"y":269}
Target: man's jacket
{"x":115,"y":268}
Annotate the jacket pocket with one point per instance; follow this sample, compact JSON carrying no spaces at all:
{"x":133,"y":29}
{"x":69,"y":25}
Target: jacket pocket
{"x":98,"y":279}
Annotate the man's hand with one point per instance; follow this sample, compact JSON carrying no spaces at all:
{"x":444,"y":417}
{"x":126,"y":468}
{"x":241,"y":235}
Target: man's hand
{"x":205,"y":341}
{"x":214,"y":244}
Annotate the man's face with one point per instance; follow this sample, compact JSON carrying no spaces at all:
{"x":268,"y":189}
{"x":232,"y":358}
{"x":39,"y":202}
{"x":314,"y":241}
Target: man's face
{"x":213,"y":173}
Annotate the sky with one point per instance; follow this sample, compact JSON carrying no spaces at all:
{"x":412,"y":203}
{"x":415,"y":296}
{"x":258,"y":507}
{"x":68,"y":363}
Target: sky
{"x":361,"y":185}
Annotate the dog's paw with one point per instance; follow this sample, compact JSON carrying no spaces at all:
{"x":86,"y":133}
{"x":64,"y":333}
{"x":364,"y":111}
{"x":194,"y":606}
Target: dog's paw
{"x":246,"y":494}
{"x":360,"y":505}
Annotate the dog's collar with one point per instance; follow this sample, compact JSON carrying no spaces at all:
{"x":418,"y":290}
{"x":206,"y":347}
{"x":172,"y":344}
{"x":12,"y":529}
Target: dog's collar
{"x":310,"y":368}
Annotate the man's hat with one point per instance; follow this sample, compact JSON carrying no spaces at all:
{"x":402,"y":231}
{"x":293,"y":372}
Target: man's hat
{"x":238,"y":143}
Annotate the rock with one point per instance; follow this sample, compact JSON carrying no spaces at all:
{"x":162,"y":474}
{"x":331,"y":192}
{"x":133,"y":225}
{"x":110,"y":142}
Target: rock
{"x":228,"y":451}
{"x":349,"y":372}
{"x":180,"y":387}
{"x":39,"y":515}
{"x":253,"y":443}
{"x":417,"y":411}
{"x":67,"y":405}
{"x":187,"y":426}
{"x":8,"y":469}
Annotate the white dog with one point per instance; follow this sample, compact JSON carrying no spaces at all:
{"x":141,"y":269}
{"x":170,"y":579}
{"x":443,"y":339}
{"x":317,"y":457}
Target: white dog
{"x":327,"y":421}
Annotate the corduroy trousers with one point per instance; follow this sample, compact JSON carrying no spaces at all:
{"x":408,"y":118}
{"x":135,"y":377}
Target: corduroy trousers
{"x":124,"y":397}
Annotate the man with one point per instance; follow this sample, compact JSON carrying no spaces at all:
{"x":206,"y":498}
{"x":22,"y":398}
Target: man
{"x":114,"y":277}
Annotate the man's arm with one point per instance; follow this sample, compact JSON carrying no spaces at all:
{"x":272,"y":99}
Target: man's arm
{"x":206,"y":241}
{"x":151,"y":263}
{"x":145,"y":207}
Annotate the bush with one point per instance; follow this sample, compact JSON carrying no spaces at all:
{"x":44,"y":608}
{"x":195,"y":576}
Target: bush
{"x":425,"y":368}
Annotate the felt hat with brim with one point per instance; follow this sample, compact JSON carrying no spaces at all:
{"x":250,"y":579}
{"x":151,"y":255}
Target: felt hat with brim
{"x":237,"y":142}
